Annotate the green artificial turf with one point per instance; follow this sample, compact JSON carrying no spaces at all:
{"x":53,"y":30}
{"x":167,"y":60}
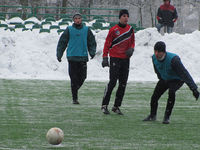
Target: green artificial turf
{"x":28,"y":108}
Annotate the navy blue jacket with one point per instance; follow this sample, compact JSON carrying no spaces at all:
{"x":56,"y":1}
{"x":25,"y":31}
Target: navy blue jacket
{"x":167,"y":15}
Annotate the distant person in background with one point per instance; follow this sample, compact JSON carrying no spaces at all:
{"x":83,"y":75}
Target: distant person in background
{"x":79,"y":40}
{"x":119,"y":45}
{"x":166,"y":16}
{"x":172,"y":75}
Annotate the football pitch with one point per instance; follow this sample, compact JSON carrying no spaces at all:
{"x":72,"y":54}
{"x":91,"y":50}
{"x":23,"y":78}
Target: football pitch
{"x":29,"y":108}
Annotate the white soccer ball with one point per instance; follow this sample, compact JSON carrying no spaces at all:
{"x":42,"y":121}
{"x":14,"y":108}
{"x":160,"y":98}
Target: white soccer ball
{"x":55,"y":136}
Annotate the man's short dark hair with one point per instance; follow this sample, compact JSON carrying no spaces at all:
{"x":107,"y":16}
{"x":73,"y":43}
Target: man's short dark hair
{"x":122,"y":12}
{"x":160,"y":46}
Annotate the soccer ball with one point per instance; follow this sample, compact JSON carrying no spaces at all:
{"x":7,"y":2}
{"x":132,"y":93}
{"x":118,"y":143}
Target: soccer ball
{"x":55,"y":136}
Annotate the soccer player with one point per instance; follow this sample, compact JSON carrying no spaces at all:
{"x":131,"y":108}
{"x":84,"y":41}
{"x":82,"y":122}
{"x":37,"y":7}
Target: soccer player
{"x":119,"y":45}
{"x":166,"y":16}
{"x":172,"y":75}
{"x":79,"y":40}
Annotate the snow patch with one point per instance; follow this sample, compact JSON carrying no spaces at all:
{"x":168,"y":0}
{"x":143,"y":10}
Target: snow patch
{"x":30,"y":55}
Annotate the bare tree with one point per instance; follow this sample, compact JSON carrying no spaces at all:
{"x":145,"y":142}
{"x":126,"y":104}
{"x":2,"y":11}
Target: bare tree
{"x":90,"y":5}
{"x":84,"y":4}
{"x":152,"y":9}
{"x":23,"y":10}
{"x":34,"y":4}
{"x":179,"y":4}
{"x":198,"y":7}
{"x":139,"y":4}
{"x":196,"y":4}
{"x":64,"y":4}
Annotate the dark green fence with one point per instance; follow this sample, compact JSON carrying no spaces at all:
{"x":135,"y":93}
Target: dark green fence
{"x":88,"y":13}
{"x":41,"y":12}
{"x":49,"y":14}
{"x":16,"y":11}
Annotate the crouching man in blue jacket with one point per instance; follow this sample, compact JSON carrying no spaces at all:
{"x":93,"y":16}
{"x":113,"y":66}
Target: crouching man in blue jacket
{"x":79,"y":40}
{"x":172,"y":75}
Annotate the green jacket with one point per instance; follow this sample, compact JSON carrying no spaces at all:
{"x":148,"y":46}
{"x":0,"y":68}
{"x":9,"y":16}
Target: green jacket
{"x":63,"y":43}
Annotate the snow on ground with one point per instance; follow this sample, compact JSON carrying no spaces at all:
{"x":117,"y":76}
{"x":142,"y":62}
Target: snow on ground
{"x":30,"y":55}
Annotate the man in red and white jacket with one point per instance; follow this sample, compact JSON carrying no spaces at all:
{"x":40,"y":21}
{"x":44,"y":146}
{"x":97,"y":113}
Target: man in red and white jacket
{"x":119,"y":45}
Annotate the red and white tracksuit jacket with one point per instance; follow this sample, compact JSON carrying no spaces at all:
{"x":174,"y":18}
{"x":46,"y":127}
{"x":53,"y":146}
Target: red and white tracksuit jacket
{"x":119,"y":40}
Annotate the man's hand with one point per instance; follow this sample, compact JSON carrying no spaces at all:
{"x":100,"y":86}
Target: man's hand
{"x":59,"y":59}
{"x":105,"y":62}
{"x":196,"y":94}
{"x":129,"y":52}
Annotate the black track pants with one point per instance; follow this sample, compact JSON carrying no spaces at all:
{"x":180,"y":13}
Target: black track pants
{"x":78,"y":74}
{"x":159,"y":90}
{"x":119,"y":70}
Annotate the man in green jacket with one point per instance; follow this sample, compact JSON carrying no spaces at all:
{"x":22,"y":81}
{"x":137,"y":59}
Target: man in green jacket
{"x":79,"y":40}
{"x":172,"y":75}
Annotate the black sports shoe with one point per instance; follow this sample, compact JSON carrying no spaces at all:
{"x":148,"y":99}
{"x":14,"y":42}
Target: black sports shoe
{"x":117,"y":110}
{"x":150,"y":118}
{"x":75,"y":102}
{"x":166,"y":120}
{"x":104,"y":109}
